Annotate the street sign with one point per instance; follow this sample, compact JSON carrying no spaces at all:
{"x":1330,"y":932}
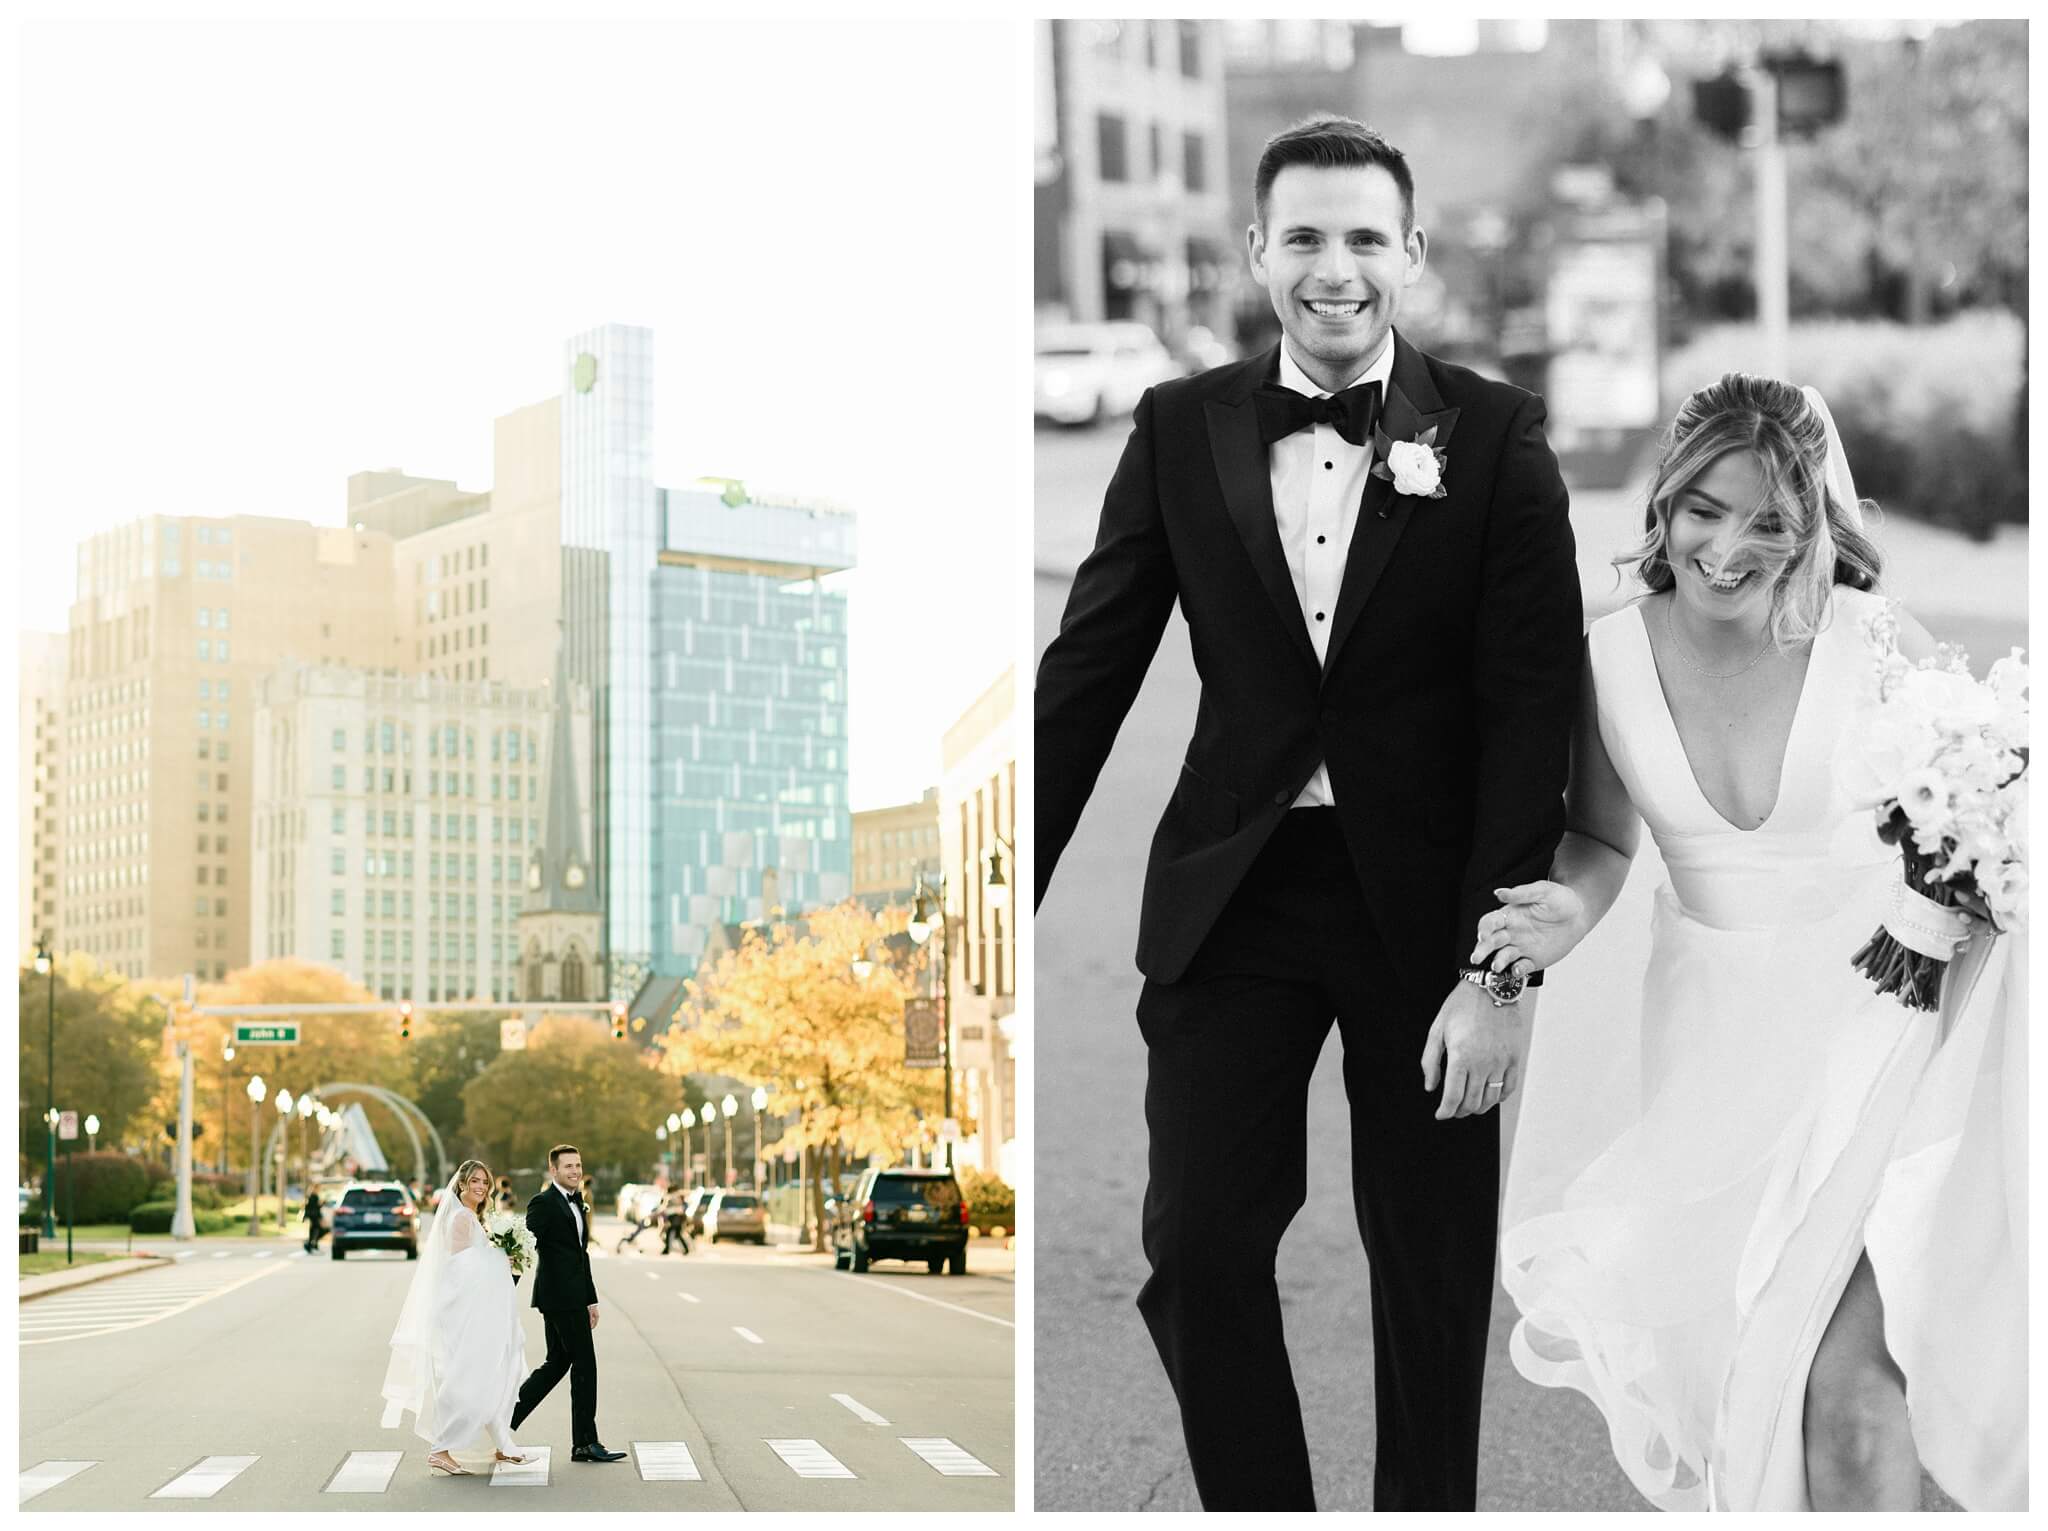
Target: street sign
{"x":511,"y":1036}
{"x":921,"y":1039}
{"x":67,"y":1124}
{"x":272,"y":1032}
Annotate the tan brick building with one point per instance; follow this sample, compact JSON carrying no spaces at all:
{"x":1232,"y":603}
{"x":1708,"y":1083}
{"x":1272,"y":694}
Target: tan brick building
{"x":39,"y":713}
{"x":891,"y":846}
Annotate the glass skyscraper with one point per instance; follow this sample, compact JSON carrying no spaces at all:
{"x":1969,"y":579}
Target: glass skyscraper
{"x":717,"y":662}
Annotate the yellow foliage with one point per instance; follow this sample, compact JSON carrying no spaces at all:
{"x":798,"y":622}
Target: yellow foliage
{"x":789,"y":1013}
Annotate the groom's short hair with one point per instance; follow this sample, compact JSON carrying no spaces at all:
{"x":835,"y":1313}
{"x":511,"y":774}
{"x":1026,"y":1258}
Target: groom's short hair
{"x":555,"y":1153}
{"x":1330,"y":142}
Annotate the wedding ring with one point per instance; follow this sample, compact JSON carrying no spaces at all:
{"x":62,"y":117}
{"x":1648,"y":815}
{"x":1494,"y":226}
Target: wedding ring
{"x":1493,"y":1084}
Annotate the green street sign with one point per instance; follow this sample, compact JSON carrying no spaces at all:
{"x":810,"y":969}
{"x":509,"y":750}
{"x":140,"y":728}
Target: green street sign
{"x":287,"y":1031}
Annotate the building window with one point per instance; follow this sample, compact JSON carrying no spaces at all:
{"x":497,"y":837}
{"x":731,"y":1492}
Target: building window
{"x":572,"y":977}
{"x":1194,"y":171}
{"x":337,"y":945}
{"x":205,"y":617}
{"x":220,"y":615}
{"x":340,"y":740}
{"x":205,"y":650}
{"x":1109,"y":138}
{"x":339,"y":778}
{"x":1191,"y":49}
{"x":338,"y":902}
{"x":1158,"y":152}
{"x":221,"y":651}
{"x":338,"y":864}
{"x":339,"y":823}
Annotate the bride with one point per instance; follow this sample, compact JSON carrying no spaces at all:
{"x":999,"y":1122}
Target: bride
{"x":458,"y":1354}
{"x":1770,"y":1221}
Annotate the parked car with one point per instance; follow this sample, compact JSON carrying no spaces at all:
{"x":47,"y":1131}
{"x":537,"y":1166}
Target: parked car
{"x":902,"y":1214}
{"x":1087,"y":372}
{"x":736,"y":1215}
{"x":633,"y":1197}
{"x":375,"y":1214}
{"x":694,"y":1207}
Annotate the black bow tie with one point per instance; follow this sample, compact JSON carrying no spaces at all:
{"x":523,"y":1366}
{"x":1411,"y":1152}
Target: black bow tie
{"x":1354,"y":412}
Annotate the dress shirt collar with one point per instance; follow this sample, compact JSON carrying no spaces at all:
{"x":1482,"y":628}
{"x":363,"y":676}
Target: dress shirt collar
{"x":1381,"y":371}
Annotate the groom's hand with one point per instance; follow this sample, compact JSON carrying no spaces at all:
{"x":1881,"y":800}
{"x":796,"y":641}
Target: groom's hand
{"x":593,"y":1315}
{"x":1471,"y":1042}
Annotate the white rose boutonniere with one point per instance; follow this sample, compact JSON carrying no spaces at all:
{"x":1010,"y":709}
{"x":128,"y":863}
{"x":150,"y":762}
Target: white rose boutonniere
{"x":1416,"y":467}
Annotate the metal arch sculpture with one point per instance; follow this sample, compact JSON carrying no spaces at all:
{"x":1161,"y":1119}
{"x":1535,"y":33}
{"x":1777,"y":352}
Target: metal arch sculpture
{"x":405,"y":1110}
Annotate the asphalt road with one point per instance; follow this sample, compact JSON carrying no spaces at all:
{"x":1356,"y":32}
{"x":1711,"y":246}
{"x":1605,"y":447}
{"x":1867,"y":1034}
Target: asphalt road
{"x":1118,"y":1447}
{"x":747,"y":1368}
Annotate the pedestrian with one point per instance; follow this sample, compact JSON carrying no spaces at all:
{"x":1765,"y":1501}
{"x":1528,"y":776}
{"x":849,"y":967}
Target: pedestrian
{"x":1373,"y":552}
{"x":316,"y":1228}
{"x":674,"y":1229}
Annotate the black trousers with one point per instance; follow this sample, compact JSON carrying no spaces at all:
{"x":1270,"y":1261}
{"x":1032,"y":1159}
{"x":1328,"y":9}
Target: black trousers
{"x":1231,"y":1049}
{"x":569,"y":1350}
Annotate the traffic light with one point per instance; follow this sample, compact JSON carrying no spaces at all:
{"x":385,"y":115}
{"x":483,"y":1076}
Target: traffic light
{"x":1722,"y":104}
{"x":618,"y":1020}
{"x":1812,"y":93}
{"x":404,"y":1019}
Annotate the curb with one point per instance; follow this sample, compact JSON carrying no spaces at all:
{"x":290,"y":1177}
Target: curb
{"x":60,"y":1281}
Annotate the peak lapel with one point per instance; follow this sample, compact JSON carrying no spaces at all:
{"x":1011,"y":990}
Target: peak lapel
{"x":1413,"y":406}
{"x":1244,"y":472}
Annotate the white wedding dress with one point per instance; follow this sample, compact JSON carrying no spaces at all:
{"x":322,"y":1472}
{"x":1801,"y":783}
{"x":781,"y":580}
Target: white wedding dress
{"x":1696,"y":1169}
{"x":458,"y":1354}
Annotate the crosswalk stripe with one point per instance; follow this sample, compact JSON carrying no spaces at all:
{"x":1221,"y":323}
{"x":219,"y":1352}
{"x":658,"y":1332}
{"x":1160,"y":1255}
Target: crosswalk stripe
{"x":689,"y":1297}
{"x":748,"y":1335}
{"x":860,"y":1409}
{"x":205,"y":1478}
{"x":948,"y":1459}
{"x":808,"y":1459}
{"x":653,"y":1275}
{"x":222,"y":1254}
{"x":181,"y":1302}
{"x":365,"y":1472}
{"x":265,"y":1254}
{"x":901,"y":1291}
{"x":532,"y":1473}
{"x":184,"y":1254}
{"x":393,"y":1413}
{"x":44,"y":1476}
{"x":666,"y":1462}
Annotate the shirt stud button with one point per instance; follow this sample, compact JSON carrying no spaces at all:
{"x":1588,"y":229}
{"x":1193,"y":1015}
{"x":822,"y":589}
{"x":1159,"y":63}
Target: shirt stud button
{"x":1321,"y":540}
{"x":1319,"y":616}
{"x":1329,"y":465}
{"x":1283,"y":796}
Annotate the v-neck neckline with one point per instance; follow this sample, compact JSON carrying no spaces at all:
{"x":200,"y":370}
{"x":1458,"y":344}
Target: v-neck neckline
{"x":1678,"y":739}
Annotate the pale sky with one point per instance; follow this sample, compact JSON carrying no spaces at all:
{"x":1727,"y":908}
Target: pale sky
{"x":257,"y":257}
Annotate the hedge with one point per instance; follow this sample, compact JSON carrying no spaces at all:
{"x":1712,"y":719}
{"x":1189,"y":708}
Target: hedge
{"x":1932,"y":417}
{"x":155,"y":1217}
{"x":991,"y":1203}
{"x":108,"y":1185}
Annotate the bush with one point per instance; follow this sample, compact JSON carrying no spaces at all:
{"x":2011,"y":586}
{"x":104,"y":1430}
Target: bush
{"x":991,"y":1203}
{"x":108,"y":1185}
{"x":155,"y":1217}
{"x":1930,"y":416}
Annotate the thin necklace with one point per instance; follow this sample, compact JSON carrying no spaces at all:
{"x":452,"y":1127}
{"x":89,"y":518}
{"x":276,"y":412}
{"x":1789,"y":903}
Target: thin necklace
{"x":1679,"y":649}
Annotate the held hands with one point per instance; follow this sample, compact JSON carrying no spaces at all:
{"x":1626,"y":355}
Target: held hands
{"x":593,"y":1315}
{"x":1537,"y":924}
{"x":1472,"y":1044}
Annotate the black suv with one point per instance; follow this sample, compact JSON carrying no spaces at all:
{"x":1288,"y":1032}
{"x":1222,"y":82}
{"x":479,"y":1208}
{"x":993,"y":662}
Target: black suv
{"x":375,"y":1214}
{"x":902,"y":1214}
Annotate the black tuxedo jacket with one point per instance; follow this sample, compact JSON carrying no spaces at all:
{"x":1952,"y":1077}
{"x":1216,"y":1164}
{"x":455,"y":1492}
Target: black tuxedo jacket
{"x":1445,"y":703}
{"x":563,"y":1278}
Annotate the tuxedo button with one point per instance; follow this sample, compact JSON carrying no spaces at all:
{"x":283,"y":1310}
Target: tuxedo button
{"x":1321,"y":540}
{"x":1319,"y":616}
{"x":1283,"y":797}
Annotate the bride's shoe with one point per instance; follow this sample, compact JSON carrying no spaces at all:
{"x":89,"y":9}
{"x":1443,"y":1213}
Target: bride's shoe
{"x":503,"y":1458}
{"x":441,"y":1462}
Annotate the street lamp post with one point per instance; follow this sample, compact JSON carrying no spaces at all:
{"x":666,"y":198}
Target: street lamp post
{"x":227,"y":1056}
{"x":758,"y":1100}
{"x":284,"y":1133}
{"x":731,"y":1108}
{"x":307,"y":1106}
{"x":256,"y":1093}
{"x":928,"y":897}
{"x":92,"y":1133}
{"x":689,"y":1121}
{"x":47,"y":965}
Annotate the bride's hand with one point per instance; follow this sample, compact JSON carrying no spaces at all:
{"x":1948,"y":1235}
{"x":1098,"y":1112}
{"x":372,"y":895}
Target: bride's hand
{"x":1537,"y":924}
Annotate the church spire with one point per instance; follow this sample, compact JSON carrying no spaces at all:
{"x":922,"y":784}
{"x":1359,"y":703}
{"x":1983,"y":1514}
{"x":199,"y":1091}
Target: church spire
{"x":559,"y":876}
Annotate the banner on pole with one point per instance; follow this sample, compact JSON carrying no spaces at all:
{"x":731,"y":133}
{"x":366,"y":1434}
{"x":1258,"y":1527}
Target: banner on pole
{"x":922,"y":1035}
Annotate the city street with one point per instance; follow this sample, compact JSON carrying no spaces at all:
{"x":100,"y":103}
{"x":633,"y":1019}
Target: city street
{"x":1119,"y":1448}
{"x":738,"y":1378}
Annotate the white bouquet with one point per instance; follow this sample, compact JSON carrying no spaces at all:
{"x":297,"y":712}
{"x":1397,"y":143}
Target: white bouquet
{"x":511,"y":1234}
{"x":1942,"y":759}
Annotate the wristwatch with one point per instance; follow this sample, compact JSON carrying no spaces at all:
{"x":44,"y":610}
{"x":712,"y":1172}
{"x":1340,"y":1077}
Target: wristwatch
{"x":1503,"y":989}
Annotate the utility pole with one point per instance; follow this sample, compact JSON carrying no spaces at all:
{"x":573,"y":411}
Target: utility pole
{"x":1773,"y":278}
{"x":181,"y":1220}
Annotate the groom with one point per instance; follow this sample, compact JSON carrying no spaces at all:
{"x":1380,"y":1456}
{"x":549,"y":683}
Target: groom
{"x":1384,"y":609}
{"x":567,"y":1299}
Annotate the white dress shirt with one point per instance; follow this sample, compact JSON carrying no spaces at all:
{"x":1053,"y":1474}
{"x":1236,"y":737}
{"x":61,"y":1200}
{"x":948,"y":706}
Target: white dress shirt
{"x":1318,"y":486}
{"x":575,"y":1210}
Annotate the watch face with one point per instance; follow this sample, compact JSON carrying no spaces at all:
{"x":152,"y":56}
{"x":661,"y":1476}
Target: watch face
{"x":1506,"y":987}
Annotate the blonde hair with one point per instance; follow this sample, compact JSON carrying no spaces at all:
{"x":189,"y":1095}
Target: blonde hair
{"x":1798,"y":528}
{"x":468,"y":1168}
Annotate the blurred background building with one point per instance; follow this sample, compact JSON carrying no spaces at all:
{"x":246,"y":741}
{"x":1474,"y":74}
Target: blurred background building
{"x":893,"y":847}
{"x":39,"y":691}
{"x":978,"y":840}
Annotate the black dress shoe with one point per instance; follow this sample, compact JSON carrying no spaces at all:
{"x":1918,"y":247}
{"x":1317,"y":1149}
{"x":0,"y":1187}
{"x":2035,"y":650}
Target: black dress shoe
{"x":595,"y":1452}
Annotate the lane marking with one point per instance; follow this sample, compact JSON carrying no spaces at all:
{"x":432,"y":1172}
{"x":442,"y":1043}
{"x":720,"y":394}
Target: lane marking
{"x":224,"y":1253}
{"x":184,"y":1254}
{"x":883,"y":1286}
{"x":205,"y":1478}
{"x":532,"y":1473}
{"x":44,"y":1476}
{"x":807,"y":1459}
{"x":949,"y":1460}
{"x":205,"y":1296}
{"x":264,"y":1254}
{"x":393,"y":1415}
{"x":365,"y":1472}
{"x":748,"y":1335}
{"x":653,"y":1275}
{"x":687,"y":1297}
{"x":666,"y":1462}
{"x":860,"y":1409}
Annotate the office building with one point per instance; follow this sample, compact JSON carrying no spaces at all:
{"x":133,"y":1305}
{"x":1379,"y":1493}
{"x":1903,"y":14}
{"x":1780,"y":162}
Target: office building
{"x":893,"y":847}
{"x":39,"y":713}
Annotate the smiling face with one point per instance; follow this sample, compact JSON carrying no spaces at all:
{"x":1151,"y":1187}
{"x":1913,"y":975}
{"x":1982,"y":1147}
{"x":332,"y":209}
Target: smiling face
{"x":1715,"y":576}
{"x":569,"y":1171}
{"x":1333,"y":258}
{"x":475,"y":1187}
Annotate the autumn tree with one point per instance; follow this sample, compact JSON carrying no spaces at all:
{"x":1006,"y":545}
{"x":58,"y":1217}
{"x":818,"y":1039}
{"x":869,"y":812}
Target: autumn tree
{"x":107,"y":1038}
{"x":786,"y":1010}
{"x":570,"y":1083}
{"x":448,"y":1050}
